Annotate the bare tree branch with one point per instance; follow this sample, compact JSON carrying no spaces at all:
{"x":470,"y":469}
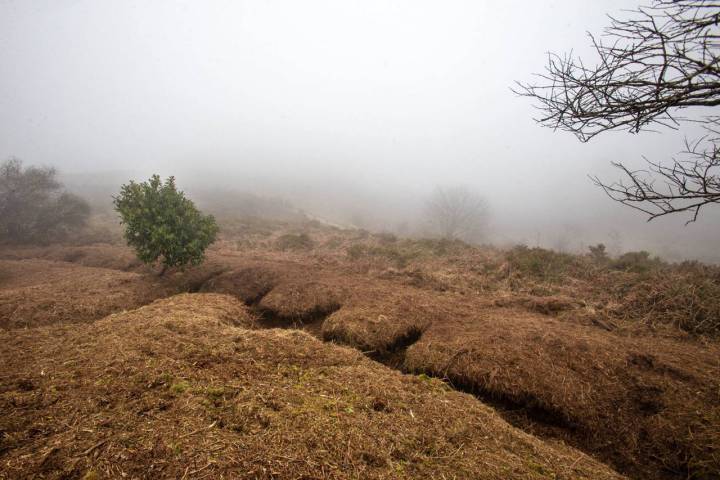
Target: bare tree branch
{"x":663,"y":59}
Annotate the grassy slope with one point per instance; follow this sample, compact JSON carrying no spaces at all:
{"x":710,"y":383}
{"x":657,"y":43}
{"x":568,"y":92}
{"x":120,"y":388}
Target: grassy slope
{"x":563,"y":346}
{"x":182,"y":388}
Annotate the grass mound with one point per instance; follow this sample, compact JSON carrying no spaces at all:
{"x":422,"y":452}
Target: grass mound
{"x":649,"y":406}
{"x":299,"y":302}
{"x":249,"y":284}
{"x":380,"y":328}
{"x":686,"y":300}
{"x":172,"y":390}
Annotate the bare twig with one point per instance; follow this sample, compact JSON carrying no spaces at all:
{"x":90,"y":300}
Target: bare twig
{"x":664,"y":59}
{"x":194,"y":432}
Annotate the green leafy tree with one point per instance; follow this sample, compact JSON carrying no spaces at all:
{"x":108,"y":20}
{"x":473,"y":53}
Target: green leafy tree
{"x":162,"y":225}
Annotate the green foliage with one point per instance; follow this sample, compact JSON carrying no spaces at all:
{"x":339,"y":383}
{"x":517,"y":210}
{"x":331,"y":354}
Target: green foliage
{"x":637,"y":262}
{"x":162,"y":225}
{"x":34,"y":208}
{"x":179,"y":387}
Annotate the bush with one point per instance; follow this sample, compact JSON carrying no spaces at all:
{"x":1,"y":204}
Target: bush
{"x":598,"y":253}
{"x":34,"y":208}
{"x":386,"y":238}
{"x":292,"y":241}
{"x":397,"y":256}
{"x":540,"y":263}
{"x":637,"y":262}
{"x":162,"y":225}
{"x":440,"y":246}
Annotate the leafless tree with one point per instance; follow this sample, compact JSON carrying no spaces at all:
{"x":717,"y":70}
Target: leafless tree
{"x":457,"y":213}
{"x":663,"y":59}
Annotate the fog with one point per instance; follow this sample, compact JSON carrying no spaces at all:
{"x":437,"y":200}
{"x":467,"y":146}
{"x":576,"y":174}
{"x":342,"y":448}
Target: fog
{"x":353,"y":111}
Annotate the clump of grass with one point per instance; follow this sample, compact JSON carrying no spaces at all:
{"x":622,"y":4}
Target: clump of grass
{"x":401,"y":252}
{"x":440,"y":246}
{"x":686,"y":300}
{"x":179,"y":388}
{"x":540,"y":263}
{"x":356,"y":251}
{"x":386,"y":238}
{"x":333,"y":242}
{"x":294,"y":241}
{"x":398,"y":256}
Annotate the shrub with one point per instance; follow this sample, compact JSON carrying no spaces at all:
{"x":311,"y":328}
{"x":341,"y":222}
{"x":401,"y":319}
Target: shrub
{"x":34,"y":208}
{"x":356,"y":250}
{"x":539,"y":263}
{"x":598,"y":253}
{"x":393,"y":253}
{"x":637,"y":262}
{"x":440,"y":246}
{"x":162,"y":225}
{"x":386,"y":238}
{"x":294,"y":241}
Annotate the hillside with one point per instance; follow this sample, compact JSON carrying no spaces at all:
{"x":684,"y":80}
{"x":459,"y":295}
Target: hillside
{"x":463,"y":362}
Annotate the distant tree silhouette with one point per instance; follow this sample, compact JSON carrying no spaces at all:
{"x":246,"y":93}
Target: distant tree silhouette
{"x":662,"y":60}
{"x":456,"y":213}
{"x":34,"y":208}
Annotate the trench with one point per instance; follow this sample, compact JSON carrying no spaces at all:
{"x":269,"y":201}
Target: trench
{"x":525,"y":412}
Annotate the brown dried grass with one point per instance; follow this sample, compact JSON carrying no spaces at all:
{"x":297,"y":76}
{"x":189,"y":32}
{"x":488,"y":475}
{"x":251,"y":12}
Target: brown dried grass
{"x":649,"y":406}
{"x":591,"y":369}
{"x":173,"y":390}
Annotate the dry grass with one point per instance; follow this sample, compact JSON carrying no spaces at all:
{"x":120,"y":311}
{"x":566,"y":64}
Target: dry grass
{"x":687,"y":301}
{"x":630,"y":401}
{"x":379,"y":324}
{"x":621,"y":362}
{"x":43,"y":292}
{"x":99,"y":255}
{"x":60,"y":292}
{"x":174,"y":390}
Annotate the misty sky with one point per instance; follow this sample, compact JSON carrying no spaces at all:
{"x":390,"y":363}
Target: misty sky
{"x":363,"y":105}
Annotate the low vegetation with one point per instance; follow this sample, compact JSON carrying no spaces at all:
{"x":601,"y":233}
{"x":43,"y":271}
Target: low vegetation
{"x":294,"y":241}
{"x":616,"y":356}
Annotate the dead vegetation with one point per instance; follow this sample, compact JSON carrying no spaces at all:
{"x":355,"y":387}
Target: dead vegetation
{"x":175,"y":390}
{"x":618,"y":358}
{"x":626,"y":400}
{"x":70,"y":293}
